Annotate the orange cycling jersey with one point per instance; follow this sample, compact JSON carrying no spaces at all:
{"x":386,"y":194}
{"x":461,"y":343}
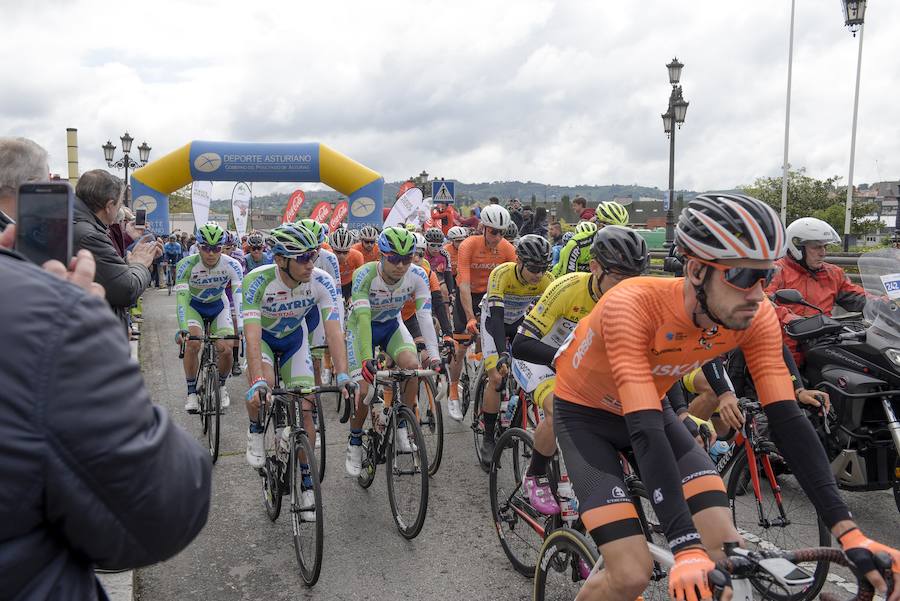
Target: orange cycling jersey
{"x":409,"y":309}
{"x":454,"y":256}
{"x":639,"y":340}
{"x":476,"y":261}
{"x":368,"y":257}
{"x":348,"y":266}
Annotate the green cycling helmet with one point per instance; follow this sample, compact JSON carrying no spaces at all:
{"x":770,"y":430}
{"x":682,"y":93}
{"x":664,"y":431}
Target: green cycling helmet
{"x":397,"y":240}
{"x":586,"y":226}
{"x":211,"y":234}
{"x":292,"y":239}
{"x":315,"y":227}
{"x":612,"y":213}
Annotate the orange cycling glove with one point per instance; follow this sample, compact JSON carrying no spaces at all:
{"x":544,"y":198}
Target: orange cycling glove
{"x":689,"y":577}
{"x":861,"y":550}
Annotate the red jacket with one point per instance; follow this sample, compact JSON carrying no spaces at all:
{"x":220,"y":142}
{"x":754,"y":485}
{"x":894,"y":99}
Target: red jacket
{"x":824,"y":288}
{"x":445,"y":219}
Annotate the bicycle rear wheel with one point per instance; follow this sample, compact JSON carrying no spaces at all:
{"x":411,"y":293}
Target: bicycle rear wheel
{"x":477,"y":423}
{"x":407,"y":475}
{"x":307,"y":517}
{"x":520,"y":527}
{"x":767,"y":531}
{"x":564,"y":563}
{"x":431,"y":422}
{"x":212,"y":409}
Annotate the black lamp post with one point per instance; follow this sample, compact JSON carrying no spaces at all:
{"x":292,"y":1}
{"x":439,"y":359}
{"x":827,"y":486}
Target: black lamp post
{"x":673,"y":116}
{"x":126,"y":162}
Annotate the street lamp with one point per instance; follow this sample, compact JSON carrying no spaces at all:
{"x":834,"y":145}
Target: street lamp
{"x":126,"y":162}
{"x":674,"y":115}
{"x":854,"y":19}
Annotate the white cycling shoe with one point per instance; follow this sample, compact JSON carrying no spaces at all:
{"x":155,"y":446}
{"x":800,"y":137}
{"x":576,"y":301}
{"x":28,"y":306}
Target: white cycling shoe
{"x":192,"y":405}
{"x":403,"y":442}
{"x":256,"y":455}
{"x":454,"y":408}
{"x":353,"y":463}
{"x":308,"y":499}
{"x":226,"y":400}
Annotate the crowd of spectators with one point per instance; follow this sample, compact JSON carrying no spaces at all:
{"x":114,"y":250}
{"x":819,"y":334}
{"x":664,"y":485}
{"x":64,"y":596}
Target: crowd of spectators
{"x":94,"y":473}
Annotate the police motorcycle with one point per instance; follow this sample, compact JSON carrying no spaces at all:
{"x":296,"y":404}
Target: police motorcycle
{"x":858,"y":364}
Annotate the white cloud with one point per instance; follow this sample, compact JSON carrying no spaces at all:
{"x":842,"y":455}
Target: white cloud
{"x":565,"y":92}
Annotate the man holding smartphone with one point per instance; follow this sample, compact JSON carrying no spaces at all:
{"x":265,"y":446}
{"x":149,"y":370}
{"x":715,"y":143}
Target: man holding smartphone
{"x":99,"y":196}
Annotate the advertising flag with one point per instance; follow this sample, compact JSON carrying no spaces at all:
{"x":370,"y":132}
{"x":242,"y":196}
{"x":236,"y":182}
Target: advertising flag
{"x":201,"y":195}
{"x":293,"y":206}
{"x":407,"y":208}
{"x":241,"y":197}
{"x":337,"y":218}
{"x":321,"y":212}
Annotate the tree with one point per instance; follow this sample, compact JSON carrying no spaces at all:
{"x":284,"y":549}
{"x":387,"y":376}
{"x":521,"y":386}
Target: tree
{"x":565,"y":209}
{"x":811,"y":197}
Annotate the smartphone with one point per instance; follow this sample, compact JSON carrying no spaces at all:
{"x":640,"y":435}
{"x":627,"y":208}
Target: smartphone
{"x":44,"y":222}
{"x":140,"y":217}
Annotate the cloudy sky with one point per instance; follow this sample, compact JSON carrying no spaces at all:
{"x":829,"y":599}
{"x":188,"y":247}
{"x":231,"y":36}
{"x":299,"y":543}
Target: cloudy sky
{"x":566,"y":92}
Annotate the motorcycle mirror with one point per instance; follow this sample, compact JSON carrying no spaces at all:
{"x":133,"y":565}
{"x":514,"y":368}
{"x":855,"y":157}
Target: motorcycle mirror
{"x":793,"y":297}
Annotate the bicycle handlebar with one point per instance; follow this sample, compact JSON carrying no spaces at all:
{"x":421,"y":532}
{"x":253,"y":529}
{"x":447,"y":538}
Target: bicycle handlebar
{"x":404,"y":374}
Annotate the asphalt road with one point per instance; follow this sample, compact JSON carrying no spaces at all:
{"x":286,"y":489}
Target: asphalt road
{"x":240,"y":554}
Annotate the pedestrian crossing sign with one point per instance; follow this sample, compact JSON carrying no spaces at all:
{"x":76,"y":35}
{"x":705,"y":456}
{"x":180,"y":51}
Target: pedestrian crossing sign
{"x":442,"y":191}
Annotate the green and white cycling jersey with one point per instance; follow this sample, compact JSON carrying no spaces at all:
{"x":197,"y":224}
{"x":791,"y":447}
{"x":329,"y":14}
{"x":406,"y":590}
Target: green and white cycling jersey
{"x":279,"y":310}
{"x":200,"y":287}
{"x":328,"y":262}
{"x":575,"y":255}
{"x":375,"y":303}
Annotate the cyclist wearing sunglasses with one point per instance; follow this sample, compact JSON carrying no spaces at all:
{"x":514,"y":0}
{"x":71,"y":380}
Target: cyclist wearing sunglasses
{"x":439,"y":259}
{"x":617,"y":253}
{"x":327,"y":261}
{"x":367,"y":245}
{"x":615,"y":369}
{"x":456,"y":235}
{"x":200,"y":283}
{"x":438,"y":306}
{"x":380,"y":289}
{"x":349,"y":259}
{"x":477,"y":258}
{"x":512,"y":287}
{"x":283,"y":301}
{"x":257,"y":255}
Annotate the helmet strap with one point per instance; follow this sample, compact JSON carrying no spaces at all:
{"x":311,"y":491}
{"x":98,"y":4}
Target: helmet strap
{"x":803,"y":263}
{"x":702,"y":306}
{"x":287,"y":272}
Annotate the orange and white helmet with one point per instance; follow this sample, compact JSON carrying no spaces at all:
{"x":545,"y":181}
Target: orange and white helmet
{"x":730,"y":226}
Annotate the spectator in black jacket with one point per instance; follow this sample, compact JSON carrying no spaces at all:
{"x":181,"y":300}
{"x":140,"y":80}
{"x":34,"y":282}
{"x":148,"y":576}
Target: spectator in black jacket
{"x":97,"y":202}
{"x":93,"y":473}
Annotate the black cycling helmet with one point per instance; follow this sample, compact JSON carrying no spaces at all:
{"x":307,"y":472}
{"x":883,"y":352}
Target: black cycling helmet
{"x":511,"y":232}
{"x":533,"y":250}
{"x":434,"y":235}
{"x":620,"y":249}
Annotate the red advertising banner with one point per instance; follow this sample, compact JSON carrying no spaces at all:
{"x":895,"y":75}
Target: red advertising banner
{"x":293,"y":206}
{"x":403,"y":188}
{"x":321,"y":212}
{"x":337,"y":218}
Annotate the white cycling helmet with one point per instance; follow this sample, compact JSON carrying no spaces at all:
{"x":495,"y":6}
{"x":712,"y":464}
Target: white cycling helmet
{"x":420,"y":241}
{"x":341,"y":239}
{"x":809,"y":229}
{"x":457,"y":233}
{"x":495,"y":216}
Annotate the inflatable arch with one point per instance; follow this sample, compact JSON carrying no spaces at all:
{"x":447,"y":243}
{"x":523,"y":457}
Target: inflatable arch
{"x":256,"y":162}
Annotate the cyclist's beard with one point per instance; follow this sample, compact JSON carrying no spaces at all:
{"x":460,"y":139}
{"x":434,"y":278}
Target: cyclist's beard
{"x":731,"y":316}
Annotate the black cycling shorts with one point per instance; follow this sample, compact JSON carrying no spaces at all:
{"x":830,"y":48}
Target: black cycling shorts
{"x":591,"y":441}
{"x":412,"y":325}
{"x":346,"y":289}
{"x":459,"y":315}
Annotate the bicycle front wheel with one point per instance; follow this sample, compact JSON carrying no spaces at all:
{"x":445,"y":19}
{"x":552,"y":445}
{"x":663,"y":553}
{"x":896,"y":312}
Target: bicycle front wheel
{"x":520,"y":527}
{"x":306,"y":509}
{"x":213,"y":412}
{"x":320,"y":437}
{"x":783,"y":518}
{"x":477,"y":421}
{"x":431,"y":422}
{"x":564,"y":563}
{"x":407,"y":473}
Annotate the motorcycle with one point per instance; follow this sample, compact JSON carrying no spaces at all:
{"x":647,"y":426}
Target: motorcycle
{"x":858,"y":364}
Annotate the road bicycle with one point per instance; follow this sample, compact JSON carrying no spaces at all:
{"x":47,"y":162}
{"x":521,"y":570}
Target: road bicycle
{"x":406,"y":472}
{"x":209,"y":394}
{"x":289,"y":456}
{"x":430,"y":413}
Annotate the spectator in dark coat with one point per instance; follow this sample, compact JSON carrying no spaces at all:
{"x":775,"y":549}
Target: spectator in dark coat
{"x":97,"y":202}
{"x":93,"y":472}
{"x":539,"y":222}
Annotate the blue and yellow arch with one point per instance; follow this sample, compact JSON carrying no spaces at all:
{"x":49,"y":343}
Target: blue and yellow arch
{"x":257,"y":162}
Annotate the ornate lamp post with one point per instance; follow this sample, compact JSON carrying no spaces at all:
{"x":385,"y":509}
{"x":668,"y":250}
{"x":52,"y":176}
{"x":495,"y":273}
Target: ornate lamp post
{"x":854,"y":19}
{"x":126,"y":162}
{"x":674,"y":115}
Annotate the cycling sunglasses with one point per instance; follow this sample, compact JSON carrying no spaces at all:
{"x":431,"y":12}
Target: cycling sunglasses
{"x":435,"y":246}
{"x":536,"y":267}
{"x":211,"y":249}
{"x":742,"y":278}
{"x":395,"y":259}
{"x":306,"y":257}
{"x":341,"y":252}
{"x":367,"y":241}
{"x":256,"y":248}
{"x":494,"y":231}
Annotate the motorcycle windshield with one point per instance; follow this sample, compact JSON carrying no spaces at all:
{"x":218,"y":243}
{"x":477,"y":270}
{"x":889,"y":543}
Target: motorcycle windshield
{"x":880,"y":272}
